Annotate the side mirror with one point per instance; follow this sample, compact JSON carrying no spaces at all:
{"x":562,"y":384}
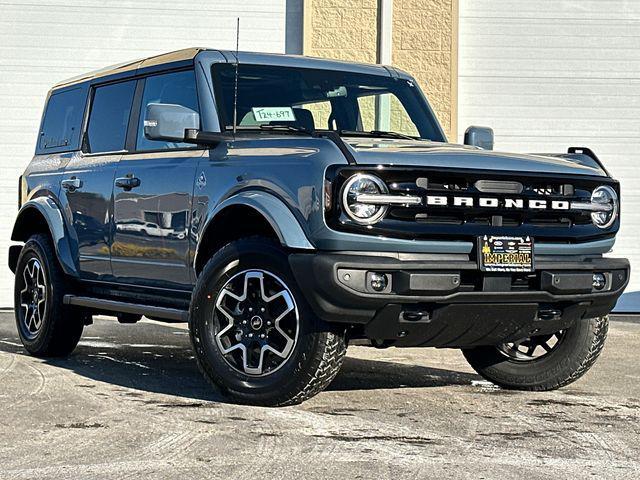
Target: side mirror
{"x":479,"y":137}
{"x":168,"y":122}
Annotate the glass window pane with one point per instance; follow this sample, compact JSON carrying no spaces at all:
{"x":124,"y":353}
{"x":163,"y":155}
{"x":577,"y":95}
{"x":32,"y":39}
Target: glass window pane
{"x":62,"y":120}
{"x":320,"y":112}
{"x":387,"y":103}
{"x":385,"y":112}
{"x":107,"y":131}
{"x":177,"y":88}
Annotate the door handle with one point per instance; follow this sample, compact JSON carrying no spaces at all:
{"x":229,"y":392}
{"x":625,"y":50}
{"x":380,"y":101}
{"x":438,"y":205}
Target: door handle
{"x":71,"y":184}
{"x":127,"y":183}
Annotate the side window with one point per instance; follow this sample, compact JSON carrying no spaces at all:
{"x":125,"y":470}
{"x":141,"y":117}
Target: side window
{"x":391,"y":116}
{"x":177,"y":88}
{"x":109,"y":118}
{"x":62,"y":119}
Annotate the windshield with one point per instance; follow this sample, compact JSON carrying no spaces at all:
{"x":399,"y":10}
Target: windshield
{"x":312,"y":99}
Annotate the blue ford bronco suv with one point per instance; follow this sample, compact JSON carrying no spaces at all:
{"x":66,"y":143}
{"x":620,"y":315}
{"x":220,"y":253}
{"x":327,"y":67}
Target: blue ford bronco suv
{"x":287,"y":206}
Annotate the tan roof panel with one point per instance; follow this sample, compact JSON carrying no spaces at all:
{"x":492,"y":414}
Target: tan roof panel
{"x":177,"y":56}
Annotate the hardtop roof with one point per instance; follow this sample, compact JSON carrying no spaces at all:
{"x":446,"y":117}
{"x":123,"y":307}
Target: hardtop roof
{"x":191,"y":53}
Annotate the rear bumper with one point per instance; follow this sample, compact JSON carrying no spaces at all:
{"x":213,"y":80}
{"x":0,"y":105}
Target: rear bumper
{"x":445,"y":301}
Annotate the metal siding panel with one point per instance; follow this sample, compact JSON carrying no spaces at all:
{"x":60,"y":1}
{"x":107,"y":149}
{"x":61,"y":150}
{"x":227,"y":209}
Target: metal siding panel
{"x":547,"y":75}
{"x":41,"y":45}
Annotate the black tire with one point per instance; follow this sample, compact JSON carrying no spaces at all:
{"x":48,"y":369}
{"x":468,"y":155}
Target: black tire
{"x":313,"y":361}
{"x":60,"y":327}
{"x":566,"y":362}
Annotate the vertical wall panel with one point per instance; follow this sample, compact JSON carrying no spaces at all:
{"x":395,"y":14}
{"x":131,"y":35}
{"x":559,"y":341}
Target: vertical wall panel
{"x":42,"y":43}
{"x":548,"y":74}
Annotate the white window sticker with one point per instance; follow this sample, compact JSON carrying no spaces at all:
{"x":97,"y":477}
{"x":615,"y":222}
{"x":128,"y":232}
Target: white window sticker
{"x":273,"y":114}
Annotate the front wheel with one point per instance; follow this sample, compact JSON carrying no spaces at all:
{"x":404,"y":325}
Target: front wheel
{"x":543,"y":362}
{"x":254,"y":335}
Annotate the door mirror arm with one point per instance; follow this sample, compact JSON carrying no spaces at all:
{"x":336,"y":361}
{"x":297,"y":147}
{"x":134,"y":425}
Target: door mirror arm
{"x":198,"y":137}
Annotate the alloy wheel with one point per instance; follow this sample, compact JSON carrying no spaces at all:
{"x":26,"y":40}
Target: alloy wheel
{"x":33,"y":298}
{"x":532,"y":348}
{"x":256,"y":322}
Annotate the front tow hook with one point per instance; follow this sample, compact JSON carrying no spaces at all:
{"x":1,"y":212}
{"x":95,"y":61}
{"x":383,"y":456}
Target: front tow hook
{"x":551,"y":314}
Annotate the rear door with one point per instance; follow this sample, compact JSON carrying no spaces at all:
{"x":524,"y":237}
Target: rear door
{"x":153,"y":194}
{"x":87,"y":182}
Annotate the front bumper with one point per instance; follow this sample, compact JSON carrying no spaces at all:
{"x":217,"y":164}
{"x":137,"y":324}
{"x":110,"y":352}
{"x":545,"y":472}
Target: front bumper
{"x":445,"y":301}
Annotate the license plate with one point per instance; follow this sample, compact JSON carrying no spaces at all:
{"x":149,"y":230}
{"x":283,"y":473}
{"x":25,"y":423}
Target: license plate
{"x":505,"y":254}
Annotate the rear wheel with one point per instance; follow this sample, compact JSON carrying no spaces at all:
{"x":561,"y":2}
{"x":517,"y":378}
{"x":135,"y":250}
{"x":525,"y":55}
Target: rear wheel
{"x":46,"y":327}
{"x":254,"y":335}
{"x":543,"y":362}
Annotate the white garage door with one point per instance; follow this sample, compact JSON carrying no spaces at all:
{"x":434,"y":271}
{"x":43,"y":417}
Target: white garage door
{"x":549,"y":74}
{"x":42,"y":43}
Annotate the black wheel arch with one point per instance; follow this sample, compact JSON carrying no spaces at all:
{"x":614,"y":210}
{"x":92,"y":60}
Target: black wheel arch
{"x":231,"y":223}
{"x":43,"y":216}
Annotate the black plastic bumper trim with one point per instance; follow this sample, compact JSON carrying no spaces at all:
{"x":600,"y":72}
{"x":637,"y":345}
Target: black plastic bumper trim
{"x":333,"y":301}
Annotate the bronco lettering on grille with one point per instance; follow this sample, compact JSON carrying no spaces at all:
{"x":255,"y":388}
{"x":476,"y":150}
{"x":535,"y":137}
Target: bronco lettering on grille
{"x":493,"y":202}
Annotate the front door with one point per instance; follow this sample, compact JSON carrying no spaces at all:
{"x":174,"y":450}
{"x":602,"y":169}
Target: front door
{"x":153,"y":190}
{"x":87,"y":183}
{"x":152,"y":216}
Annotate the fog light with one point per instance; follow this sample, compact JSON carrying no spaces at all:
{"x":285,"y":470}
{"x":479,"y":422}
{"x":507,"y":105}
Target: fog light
{"x":599,"y":281}
{"x":378,"y":281}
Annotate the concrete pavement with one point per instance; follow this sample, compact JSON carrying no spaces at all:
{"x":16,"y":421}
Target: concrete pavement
{"x":130,"y":403}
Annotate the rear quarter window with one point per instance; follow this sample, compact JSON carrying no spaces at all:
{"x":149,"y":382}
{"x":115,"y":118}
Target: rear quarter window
{"x":62,"y":122}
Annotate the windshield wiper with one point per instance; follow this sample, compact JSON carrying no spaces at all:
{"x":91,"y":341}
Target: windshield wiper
{"x":287,"y":128}
{"x":376,"y":133}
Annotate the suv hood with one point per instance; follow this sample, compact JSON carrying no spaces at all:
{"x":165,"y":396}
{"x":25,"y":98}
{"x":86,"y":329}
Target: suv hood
{"x":432,"y":154}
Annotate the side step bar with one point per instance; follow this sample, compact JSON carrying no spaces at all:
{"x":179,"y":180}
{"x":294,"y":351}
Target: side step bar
{"x":124,"y":307}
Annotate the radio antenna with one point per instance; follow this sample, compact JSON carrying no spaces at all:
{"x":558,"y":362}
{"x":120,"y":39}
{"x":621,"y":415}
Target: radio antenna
{"x":235,"y":83}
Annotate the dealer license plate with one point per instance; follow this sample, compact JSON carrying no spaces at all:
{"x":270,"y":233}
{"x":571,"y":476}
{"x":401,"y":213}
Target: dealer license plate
{"x":505,"y":254}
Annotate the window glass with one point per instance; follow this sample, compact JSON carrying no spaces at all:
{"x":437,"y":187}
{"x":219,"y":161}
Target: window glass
{"x":336,"y":100}
{"x":320,"y":112}
{"x":107,"y":130}
{"x":389,"y":114}
{"x":177,"y":88}
{"x":62,"y":120}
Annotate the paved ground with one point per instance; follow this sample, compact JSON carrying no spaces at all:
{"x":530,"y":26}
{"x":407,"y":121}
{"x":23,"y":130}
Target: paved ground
{"x":130,"y":404}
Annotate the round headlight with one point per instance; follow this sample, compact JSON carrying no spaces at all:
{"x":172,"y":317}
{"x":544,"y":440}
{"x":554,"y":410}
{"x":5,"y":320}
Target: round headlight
{"x":604,"y":196}
{"x":363,"y":213}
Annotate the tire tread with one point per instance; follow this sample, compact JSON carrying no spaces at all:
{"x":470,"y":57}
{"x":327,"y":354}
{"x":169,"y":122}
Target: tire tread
{"x":65,"y":327}
{"x":313,"y":374}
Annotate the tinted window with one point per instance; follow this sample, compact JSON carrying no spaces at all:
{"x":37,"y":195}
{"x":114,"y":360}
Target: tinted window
{"x":61,"y":125}
{"x":322,"y":99}
{"x":177,"y":88}
{"x":107,"y":130}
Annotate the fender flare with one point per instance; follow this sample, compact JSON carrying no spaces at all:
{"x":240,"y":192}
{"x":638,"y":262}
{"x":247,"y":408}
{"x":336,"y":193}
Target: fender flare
{"x":55,"y":221}
{"x":274,"y":210}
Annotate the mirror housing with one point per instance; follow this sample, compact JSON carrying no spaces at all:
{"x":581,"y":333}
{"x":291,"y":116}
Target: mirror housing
{"x":479,"y":137}
{"x":168,"y":122}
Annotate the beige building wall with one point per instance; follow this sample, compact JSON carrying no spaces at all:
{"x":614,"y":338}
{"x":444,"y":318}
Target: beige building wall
{"x":341,"y":29}
{"x":424,"y":43}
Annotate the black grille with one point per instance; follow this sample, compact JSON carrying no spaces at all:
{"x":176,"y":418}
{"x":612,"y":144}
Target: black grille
{"x":491,"y":188}
{"x":466,"y":222}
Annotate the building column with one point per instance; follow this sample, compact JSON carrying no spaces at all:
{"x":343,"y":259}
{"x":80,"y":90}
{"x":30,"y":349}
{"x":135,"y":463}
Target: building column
{"x":423,"y":39}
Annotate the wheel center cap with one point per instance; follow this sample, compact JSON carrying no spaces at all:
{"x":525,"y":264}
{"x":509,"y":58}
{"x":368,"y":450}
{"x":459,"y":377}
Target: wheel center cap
{"x":256,"y":322}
